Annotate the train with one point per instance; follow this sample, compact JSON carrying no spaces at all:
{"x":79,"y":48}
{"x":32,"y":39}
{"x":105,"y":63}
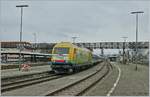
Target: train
{"x":69,"y":58}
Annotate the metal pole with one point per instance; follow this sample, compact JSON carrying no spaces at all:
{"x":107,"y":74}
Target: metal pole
{"x":20,"y":46}
{"x":136,"y":45}
{"x":102,"y":51}
{"x":124,"y":49}
{"x":21,"y":30}
{"x":34,"y":40}
{"x":123,"y":52}
{"x":136,"y":39}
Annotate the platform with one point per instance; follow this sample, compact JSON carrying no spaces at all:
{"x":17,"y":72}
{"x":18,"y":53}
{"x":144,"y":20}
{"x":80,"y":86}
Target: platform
{"x":131,"y":82}
{"x":15,"y":72}
{"x":16,"y":65}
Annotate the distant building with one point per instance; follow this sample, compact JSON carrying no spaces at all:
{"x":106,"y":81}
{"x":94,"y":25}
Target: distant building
{"x":15,"y":44}
{"x":10,"y":52}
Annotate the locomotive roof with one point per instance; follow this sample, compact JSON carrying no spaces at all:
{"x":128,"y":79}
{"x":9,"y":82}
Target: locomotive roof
{"x":69,"y":44}
{"x":65,"y":44}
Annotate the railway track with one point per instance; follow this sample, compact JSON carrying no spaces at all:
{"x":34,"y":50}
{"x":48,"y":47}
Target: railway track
{"x":28,"y":81}
{"x":18,"y":77}
{"x":17,"y":82}
{"x":81,"y":86}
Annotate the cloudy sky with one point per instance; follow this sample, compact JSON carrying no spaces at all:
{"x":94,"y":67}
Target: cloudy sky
{"x":89,"y":20}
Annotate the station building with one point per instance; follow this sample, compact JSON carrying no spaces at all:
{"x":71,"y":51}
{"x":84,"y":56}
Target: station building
{"x":29,"y":52}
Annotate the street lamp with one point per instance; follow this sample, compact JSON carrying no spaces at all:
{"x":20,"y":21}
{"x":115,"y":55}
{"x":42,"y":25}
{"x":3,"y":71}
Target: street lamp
{"x":124,"y":46}
{"x":20,"y":6}
{"x":136,"y":48}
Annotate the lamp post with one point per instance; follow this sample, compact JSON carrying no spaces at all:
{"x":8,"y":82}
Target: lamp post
{"x":136,"y":48}
{"x":20,"y":47}
{"x":124,"y":46}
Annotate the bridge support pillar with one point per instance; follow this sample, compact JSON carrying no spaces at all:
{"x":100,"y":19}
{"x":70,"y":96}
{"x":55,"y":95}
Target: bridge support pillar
{"x":33,"y":58}
{"x":102,"y":51}
{"x":23,"y":58}
{"x":4,"y":58}
{"x":91,"y":49}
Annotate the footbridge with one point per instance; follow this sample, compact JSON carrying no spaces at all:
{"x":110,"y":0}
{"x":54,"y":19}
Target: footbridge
{"x":102,"y":45}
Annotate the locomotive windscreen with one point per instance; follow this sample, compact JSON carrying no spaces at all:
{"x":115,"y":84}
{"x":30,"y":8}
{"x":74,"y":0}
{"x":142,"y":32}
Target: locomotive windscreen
{"x":61,"y":50}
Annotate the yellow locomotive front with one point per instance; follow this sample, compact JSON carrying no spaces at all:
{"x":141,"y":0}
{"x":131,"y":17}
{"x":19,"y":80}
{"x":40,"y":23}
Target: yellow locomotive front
{"x":68,"y":58}
{"x":62,"y":57}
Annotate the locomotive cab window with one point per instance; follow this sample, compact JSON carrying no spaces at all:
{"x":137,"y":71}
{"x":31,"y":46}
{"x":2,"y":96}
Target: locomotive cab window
{"x":61,"y":50}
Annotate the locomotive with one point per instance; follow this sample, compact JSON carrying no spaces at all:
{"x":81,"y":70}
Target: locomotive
{"x":68,"y":58}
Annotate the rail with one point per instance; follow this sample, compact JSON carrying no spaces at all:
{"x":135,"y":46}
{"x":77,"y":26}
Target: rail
{"x":73,"y":90}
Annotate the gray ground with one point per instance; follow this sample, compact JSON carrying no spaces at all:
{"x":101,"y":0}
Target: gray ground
{"x":102,"y":88}
{"x":43,"y":88}
{"x":133,"y":83}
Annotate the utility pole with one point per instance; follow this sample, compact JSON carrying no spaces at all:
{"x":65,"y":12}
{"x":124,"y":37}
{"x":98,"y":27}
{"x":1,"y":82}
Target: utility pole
{"x":21,"y":30}
{"x":136,"y":46}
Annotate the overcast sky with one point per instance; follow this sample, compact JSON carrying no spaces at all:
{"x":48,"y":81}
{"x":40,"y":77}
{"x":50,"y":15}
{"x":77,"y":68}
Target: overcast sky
{"x":91,"y":21}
